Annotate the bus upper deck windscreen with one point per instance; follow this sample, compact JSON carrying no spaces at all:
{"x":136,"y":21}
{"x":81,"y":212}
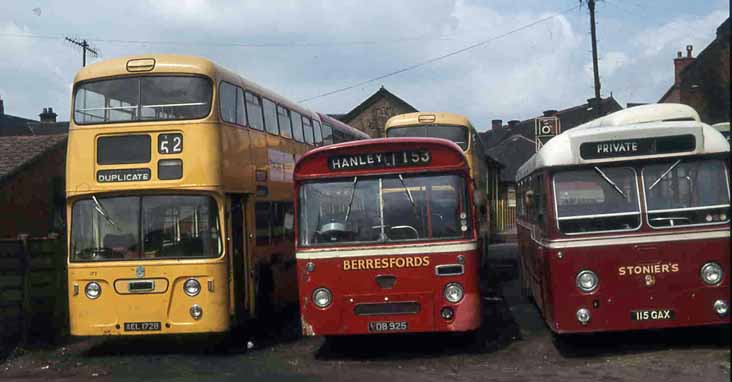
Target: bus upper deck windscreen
{"x":457,"y":134}
{"x":142,"y":98}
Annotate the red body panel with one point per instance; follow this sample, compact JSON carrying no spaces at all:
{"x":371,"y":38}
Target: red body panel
{"x":421,"y":285}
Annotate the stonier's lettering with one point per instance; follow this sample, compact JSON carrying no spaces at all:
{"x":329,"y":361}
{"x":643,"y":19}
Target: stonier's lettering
{"x":123,"y":175}
{"x":647,"y":269}
{"x":386,"y":262}
{"x":378,"y":160}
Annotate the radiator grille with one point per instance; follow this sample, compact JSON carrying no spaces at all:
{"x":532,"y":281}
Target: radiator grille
{"x":410,"y":307}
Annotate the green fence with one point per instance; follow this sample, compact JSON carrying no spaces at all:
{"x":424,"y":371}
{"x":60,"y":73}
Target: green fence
{"x":33,"y":298}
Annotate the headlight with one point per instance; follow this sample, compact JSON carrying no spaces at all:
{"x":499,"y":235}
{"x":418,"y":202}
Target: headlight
{"x":711,"y":273}
{"x":322,"y":297}
{"x":453,"y":292}
{"x":196,"y":312}
{"x":93,"y":290}
{"x":192,"y":287}
{"x":586,"y":280}
{"x":583,"y":316}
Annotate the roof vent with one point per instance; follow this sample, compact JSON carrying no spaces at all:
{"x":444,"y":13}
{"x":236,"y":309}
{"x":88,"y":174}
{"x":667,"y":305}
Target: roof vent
{"x":141,"y":65}
{"x":426,"y":118}
{"x":658,"y":112}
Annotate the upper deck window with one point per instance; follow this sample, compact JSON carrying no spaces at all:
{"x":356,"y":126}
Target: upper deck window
{"x":457,"y":134}
{"x":145,"y":98}
{"x":596,"y":200}
{"x":391,"y":208}
{"x":686,"y":192}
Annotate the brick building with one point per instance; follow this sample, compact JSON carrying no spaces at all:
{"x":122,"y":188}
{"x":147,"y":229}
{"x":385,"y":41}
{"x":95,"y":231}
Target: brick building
{"x":32,"y":168}
{"x":703,"y":82}
{"x":371,"y":115}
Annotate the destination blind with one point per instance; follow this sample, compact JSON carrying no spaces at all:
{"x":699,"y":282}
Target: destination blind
{"x":637,"y":147}
{"x":379,"y":160}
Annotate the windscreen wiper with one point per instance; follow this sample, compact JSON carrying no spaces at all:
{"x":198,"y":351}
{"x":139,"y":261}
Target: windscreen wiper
{"x":411,"y":199}
{"x":673,"y":166}
{"x":610,"y":181}
{"x":98,"y":206}
{"x":350,"y":203}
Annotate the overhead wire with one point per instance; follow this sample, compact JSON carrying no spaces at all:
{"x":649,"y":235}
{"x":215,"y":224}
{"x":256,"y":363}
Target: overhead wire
{"x":438,"y":58}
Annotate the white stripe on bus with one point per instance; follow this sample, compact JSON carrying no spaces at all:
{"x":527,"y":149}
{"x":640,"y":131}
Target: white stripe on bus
{"x":634,"y":239}
{"x":415,"y":249}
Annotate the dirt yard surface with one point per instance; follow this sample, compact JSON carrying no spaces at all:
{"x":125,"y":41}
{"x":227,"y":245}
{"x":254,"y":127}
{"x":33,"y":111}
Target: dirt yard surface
{"x":517,"y":346}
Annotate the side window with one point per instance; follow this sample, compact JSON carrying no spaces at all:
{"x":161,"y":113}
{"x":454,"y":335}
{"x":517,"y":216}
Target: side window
{"x":539,"y":199}
{"x":227,"y":102}
{"x":283,"y":116}
{"x":241,"y":115}
{"x":307,"y":126}
{"x":327,"y":134}
{"x":279,"y":230}
{"x":270,"y":116}
{"x":262,"y":216}
{"x":254,"y":111}
{"x":338,"y":136}
{"x":317,"y":133}
{"x":296,"y":126}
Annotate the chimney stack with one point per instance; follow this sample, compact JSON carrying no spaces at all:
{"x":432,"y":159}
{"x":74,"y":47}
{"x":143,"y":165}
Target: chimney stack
{"x":550,"y":113}
{"x":513,"y":123}
{"x":680,"y":63}
{"x":2,"y":107}
{"x":496,"y":124}
{"x":48,"y":116}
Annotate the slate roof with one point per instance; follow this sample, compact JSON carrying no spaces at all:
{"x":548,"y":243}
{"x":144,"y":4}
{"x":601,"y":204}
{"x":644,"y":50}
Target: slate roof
{"x":12,"y":125}
{"x":18,"y":152}
{"x":506,"y":146}
{"x":381,"y":93}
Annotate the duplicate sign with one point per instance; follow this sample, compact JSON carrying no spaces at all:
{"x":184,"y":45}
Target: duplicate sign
{"x":546,"y":128}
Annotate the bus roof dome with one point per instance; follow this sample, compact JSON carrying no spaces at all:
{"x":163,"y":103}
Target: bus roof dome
{"x":660,"y":112}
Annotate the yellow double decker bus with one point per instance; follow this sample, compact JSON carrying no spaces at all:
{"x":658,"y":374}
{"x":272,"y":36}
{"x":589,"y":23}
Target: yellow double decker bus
{"x":456,"y":128}
{"x":179,"y":197}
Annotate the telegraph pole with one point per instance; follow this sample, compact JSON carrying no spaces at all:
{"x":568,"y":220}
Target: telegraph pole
{"x":591,"y":5}
{"x":84,"y":46}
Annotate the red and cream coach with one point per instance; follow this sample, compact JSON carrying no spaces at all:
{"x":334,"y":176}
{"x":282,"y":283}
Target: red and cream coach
{"x":386,"y":238}
{"x":624,"y":223}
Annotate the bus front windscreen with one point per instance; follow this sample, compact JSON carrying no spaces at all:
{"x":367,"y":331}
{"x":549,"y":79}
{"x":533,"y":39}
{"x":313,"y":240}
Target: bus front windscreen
{"x":391,"y":208}
{"x":686,"y":192}
{"x":457,"y":134}
{"x":145,"y":227}
{"x":145,"y":98}
{"x":597,"y":199}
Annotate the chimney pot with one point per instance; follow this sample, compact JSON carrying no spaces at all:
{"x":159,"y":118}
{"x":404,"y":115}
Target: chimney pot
{"x":678,"y":54}
{"x":512,"y":123}
{"x":688,"y":50}
{"x":496,"y":124}
{"x":2,"y":107}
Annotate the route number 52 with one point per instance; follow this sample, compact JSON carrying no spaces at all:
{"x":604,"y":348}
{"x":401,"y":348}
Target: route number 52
{"x":170,"y":143}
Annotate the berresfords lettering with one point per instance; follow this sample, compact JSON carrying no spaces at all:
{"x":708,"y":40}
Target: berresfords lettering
{"x":386,"y":263}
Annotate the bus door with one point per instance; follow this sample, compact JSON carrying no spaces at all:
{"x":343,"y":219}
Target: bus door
{"x":239,"y":253}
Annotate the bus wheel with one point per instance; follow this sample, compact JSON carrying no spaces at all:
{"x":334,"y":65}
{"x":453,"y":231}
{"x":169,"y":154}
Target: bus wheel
{"x":524,"y":283}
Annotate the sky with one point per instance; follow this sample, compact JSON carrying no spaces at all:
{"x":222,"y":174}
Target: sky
{"x":530,"y":55}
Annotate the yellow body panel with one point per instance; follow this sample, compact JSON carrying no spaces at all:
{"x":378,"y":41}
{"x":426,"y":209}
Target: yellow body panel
{"x":219,"y":160}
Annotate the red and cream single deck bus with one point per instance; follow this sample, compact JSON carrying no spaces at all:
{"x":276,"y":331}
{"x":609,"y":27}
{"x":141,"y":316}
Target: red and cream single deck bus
{"x":624,"y":223}
{"x":386,"y":238}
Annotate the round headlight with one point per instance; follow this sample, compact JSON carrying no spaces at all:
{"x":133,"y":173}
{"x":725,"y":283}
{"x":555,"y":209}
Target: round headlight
{"x":196,"y":312}
{"x":586,"y":280}
{"x":93,"y":290}
{"x":711,"y":273}
{"x":453,"y":292}
{"x":192,"y":287}
{"x":322,"y":297}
